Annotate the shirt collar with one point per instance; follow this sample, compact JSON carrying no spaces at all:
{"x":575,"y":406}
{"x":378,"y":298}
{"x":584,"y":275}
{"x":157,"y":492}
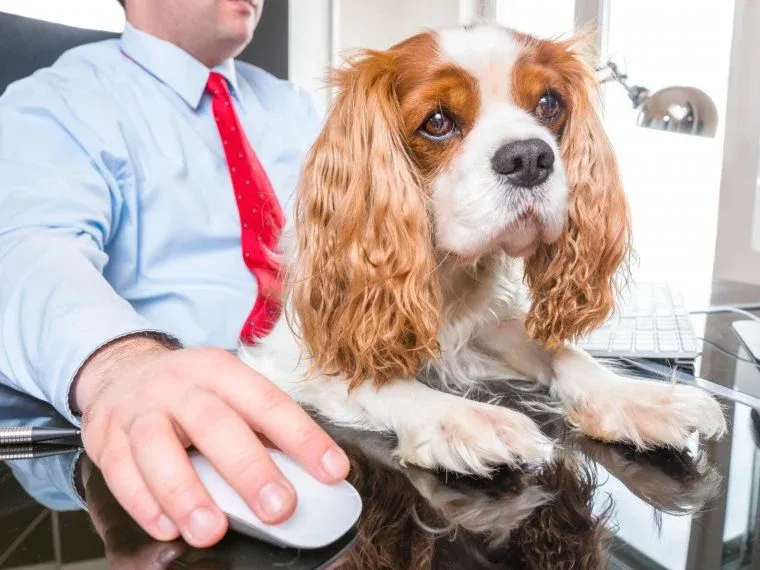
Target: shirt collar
{"x":173,"y":66}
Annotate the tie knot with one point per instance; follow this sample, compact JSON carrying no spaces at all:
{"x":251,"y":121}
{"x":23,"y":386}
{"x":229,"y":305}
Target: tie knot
{"x":217,"y":84}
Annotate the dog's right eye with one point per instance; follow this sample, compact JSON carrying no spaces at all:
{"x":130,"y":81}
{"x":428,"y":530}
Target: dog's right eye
{"x":438,"y":125}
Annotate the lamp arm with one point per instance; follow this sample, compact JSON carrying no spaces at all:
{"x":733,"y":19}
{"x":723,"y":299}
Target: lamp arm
{"x":636,"y":93}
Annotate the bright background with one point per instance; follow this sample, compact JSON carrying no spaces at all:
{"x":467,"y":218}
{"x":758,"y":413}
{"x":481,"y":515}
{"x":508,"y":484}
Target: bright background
{"x":672,"y":180}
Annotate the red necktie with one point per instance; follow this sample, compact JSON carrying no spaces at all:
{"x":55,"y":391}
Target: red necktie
{"x":261,"y":217}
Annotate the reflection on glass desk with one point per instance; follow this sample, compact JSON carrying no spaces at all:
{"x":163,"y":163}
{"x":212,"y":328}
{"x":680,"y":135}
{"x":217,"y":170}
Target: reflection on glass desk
{"x":594,"y":506}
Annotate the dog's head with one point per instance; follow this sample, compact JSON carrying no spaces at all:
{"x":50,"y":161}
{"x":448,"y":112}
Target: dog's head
{"x":454,"y":144}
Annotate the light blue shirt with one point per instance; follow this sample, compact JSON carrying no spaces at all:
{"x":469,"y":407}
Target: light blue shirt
{"x":117,"y":213}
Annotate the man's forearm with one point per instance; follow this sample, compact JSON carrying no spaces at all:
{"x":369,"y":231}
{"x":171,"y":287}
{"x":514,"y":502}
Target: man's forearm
{"x":56,"y":312}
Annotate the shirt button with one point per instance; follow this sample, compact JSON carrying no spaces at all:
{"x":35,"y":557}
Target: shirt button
{"x":255,"y":210}
{"x":245,"y":226}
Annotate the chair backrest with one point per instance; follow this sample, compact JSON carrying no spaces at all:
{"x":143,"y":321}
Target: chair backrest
{"x":27,"y":44}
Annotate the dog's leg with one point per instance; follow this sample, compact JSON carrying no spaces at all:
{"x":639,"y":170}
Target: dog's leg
{"x":434,"y":429}
{"x":606,"y":405}
{"x":646,"y":413}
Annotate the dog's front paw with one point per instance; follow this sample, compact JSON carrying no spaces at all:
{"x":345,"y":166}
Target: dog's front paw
{"x":470,"y":437}
{"x":648,"y":414}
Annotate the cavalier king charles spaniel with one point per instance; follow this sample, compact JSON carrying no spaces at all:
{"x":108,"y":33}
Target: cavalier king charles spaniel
{"x":460,"y":218}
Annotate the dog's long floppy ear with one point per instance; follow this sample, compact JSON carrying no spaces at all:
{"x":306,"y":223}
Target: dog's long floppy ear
{"x":363,"y":285}
{"x":574,"y":281}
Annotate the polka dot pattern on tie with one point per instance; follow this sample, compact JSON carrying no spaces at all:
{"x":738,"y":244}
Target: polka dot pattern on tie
{"x":261,"y":217}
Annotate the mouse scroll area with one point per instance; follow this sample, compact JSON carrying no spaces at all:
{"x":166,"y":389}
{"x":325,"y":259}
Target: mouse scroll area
{"x":323,"y":513}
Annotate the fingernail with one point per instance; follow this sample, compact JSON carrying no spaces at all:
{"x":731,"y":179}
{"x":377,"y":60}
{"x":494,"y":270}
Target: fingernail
{"x":167,"y":527}
{"x":335,"y":464}
{"x":202,"y":523}
{"x":274,"y":499}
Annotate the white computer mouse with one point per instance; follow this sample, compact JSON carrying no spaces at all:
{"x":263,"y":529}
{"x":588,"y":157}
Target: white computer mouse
{"x":323,"y":513}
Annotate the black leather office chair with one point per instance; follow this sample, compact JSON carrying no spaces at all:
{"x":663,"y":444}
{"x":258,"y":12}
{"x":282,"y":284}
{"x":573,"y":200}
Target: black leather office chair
{"x":27,"y":45}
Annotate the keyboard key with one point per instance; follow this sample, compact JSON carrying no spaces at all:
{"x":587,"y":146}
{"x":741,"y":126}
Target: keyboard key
{"x":666,"y":324}
{"x":669,"y":346}
{"x":667,"y":335}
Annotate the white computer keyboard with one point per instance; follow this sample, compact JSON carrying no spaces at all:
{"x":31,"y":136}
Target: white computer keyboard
{"x":650,"y":322}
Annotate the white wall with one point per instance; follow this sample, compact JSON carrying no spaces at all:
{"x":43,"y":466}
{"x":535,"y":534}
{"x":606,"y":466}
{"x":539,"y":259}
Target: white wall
{"x":375,"y":24}
{"x":321,"y":30}
{"x":310,"y":45}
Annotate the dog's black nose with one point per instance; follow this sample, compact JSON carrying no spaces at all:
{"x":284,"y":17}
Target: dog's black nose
{"x":524,"y":163}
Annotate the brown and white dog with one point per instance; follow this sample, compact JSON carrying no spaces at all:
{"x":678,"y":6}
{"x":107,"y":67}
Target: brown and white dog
{"x":460,"y":218}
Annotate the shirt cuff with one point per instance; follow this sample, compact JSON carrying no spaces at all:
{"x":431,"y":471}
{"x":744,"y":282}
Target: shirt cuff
{"x":50,"y":481}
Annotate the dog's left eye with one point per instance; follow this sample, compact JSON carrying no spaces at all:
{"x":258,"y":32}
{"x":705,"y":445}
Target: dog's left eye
{"x":438,"y":125}
{"x":549,"y":107}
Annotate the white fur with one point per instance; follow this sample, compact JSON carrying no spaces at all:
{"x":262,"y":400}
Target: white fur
{"x":488,"y":52}
{"x":482,"y":336}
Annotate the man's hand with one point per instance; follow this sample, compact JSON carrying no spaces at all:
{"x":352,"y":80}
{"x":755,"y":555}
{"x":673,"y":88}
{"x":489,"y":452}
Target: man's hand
{"x":144,"y":404}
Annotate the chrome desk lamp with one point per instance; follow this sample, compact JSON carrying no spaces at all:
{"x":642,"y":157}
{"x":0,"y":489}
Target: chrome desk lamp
{"x":679,"y":109}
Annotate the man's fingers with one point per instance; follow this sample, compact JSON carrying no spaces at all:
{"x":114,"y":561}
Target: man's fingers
{"x":276,"y":415}
{"x":168,"y":473}
{"x":229,"y":443}
{"x":127,"y":486}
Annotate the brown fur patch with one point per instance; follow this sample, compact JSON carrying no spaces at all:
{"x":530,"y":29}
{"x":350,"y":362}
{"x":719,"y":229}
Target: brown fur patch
{"x":536,"y":72}
{"x":425,"y":84}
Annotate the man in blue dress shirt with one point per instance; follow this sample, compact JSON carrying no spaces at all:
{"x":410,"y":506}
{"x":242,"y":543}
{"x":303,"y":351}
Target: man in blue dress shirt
{"x":120,"y":240}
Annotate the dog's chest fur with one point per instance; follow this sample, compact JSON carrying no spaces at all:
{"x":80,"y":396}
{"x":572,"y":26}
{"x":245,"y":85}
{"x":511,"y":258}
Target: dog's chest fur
{"x":476,"y":299}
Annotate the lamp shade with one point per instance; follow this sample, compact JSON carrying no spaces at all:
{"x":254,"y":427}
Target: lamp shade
{"x":686,"y":110}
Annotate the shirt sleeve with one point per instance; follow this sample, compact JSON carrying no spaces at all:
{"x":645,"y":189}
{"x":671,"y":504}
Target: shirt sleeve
{"x":60,"y":204}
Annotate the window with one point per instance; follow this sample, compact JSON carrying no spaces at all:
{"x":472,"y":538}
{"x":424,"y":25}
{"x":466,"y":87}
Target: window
{"x":672,"y":180}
